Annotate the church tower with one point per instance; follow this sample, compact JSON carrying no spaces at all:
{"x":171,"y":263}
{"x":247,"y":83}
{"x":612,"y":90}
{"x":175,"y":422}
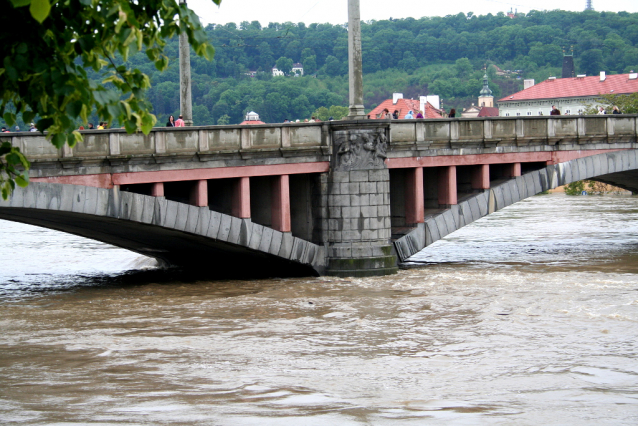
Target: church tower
{"x":485,"y":96}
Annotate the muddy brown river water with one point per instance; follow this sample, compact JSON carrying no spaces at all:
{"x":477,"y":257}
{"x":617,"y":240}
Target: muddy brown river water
{"x":527,"y":317}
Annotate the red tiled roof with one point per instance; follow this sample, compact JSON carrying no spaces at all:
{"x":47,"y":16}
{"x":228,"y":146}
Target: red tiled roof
{"x":252,"y":122}
{"x":488,"y":112}
{"x":405,"y":105}
{"x":576,"y":87}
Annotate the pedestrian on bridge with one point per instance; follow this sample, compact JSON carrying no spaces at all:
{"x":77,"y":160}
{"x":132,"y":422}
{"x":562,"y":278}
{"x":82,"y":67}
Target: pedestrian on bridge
{"x":170,"y":122}
{"x":179,"y":122}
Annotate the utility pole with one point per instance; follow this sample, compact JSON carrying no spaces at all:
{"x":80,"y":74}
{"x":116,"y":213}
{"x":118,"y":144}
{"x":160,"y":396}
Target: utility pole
{"x":355,"y":69}
{"x":185,"y":97}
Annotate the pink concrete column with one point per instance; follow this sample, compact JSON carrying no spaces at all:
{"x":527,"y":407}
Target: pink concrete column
{"x":158,"y":189}
{"x":414,"y":212}
{"x":199,"y":193}
{"x":447,"y":185}
{"x":281,"y":203}
{"x":516,"y":170}
{"x":241,"y":198}
{"x":481,"y":176}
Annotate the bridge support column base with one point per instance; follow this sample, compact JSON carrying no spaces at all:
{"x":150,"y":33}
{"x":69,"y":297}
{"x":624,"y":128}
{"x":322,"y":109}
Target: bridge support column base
{"x":363,"y":266}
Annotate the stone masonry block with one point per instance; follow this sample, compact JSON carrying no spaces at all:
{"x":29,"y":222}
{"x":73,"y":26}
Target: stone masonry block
{"x":275,"y":242}
{"x":298,"y":248}
{"x":457,"y":216}
{"x":203,"y":220}
{"x":449,"y":221}
{"x":66,"y":200}
{"x":514,"y":191}
{"x":224,"y":227}
{"x":544,"y":179}
{"x":182,"y":216}
{"x":359,"y":176}
{"x":383,"y":210}
{"x":465,"y":214}
{"x":214,"y":224}
{"x":350,"y":188}
{"x":498,"y":195}
{"x":339,"y":200}
{"x":340,"y":177}
{"x":482,"y":200}
{"x":383,"y":187}
{"x":160,"y":211}
{"x":285,"y":250}
{"x":126,"y":204}
{"x":337,"y":212}
{"x":360,"y":200}
{"x":522,"y":188}
{"x":369,"y":234}
{"x":148,"y":209}
{"x":266,"y":239}
{"x":431,"y":232}
{"x":245,"y":232}
{"x":368,"y":187}
{"x":441,"y":225}
{"x":137,"y":207}
{"x":29,"y":197}
{"x":474,"y":208}
{"x":255,"y":239}
{"x":376,"y":199}
{"x":191,"y":219}
{"x":172,"y":208}
{"x":369,"y":211}
{"x":351,"y":212}
{"x":90,"y":200}
{"x":234,"y":230}
{"x":379,"y":175}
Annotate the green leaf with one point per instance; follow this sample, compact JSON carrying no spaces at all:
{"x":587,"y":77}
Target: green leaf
{"x":59,"y":140}
{"x":40,"y":9}
{"x":20,"y":3}
{"x":9,"y":118}
{"x":22,"y":180}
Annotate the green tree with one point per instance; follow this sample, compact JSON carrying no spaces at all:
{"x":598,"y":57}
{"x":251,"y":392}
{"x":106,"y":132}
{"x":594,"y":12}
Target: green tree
{"x":284,"y":65}
{"x":44,"y":73}
{"x":575,"y":188}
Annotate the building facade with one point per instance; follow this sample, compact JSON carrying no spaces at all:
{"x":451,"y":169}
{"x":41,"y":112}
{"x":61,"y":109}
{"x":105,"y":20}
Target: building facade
{"x":572,"y":96}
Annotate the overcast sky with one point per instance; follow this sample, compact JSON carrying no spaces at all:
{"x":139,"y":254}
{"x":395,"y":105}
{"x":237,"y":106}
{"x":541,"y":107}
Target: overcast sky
{"x":336,"y":12}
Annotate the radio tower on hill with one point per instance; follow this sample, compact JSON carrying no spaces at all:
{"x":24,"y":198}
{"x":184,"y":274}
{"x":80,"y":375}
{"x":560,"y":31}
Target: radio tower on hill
{"x":589,"y":6}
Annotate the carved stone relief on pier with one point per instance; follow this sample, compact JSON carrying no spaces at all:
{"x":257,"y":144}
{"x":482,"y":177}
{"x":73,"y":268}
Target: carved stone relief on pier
{"x":360,"y":149}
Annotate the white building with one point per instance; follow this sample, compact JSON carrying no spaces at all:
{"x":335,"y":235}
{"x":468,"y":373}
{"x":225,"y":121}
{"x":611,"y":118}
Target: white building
{"x":297,"y":69}
{"x":570,"y":95}
{"x":276,"y":72}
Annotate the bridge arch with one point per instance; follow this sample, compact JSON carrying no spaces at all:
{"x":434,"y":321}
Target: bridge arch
{"x":174,"y":233}
{"x":619,"y":168}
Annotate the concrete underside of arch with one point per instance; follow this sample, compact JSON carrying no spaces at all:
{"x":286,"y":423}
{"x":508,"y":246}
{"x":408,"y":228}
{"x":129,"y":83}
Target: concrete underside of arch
{"x":619,"y":168}
{"x":176,"y":234}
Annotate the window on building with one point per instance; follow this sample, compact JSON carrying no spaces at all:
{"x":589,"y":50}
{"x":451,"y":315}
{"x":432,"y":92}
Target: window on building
{"x":507,"y":114}
{"x":540,"y":112}
{"x":529,"y":113}
{"x":518,"y":113}
{"x":567,"y":112}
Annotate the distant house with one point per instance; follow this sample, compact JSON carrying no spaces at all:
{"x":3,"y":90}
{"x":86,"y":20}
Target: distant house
{"x":428,"y":104}
{"x":251,"y":73}
{"x":252,"y":118}
{"x":570,"y":95}
{"x":276,"y":72}
{"x":485,"y":107}
{"x":297,"y":69}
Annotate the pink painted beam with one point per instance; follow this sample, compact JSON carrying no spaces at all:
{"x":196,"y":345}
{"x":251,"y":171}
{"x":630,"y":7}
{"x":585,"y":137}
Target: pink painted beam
{"x":158,"y":189}
{"x":199,"y":193}
{"x":241,"y":198}
{"x":414,"y":204}
{"x":219,"y":173}
{"x":103,"y":180}
{"x":481,"y":176}
{"x":476,"y":159}
{"x":281,"y":203}
{"x":447,"y":185}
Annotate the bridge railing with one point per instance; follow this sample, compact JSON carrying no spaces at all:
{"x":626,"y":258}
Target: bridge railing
{"x":247,"y":141}
{"x":290,"y":140}
{"x":455,"y":133}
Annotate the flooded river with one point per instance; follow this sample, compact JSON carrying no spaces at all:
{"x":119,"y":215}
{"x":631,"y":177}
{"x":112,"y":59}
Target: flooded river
{"x":526,"y":317}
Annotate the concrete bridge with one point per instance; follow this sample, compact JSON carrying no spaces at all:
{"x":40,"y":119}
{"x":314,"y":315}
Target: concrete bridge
{"x":348,"y":198}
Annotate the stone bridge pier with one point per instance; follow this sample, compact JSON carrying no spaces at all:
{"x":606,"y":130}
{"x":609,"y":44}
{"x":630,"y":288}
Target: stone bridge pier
{"x":356,"y":196}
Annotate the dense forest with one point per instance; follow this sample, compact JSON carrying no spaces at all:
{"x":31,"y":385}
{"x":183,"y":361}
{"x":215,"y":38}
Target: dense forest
{"x":444,"y":56}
